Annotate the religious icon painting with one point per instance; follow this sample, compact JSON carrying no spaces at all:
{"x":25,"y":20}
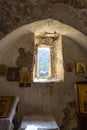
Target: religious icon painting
{"x":80,"y":68}
{"x":3,"y":69}
{"x":69,"y":67}
{"x":13,"y":74}
{"x":25,"y":79}
{"x":81,"y":95}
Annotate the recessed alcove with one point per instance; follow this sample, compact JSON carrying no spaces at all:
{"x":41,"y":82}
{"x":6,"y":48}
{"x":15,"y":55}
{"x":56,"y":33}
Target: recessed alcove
{"x":39,"y":98}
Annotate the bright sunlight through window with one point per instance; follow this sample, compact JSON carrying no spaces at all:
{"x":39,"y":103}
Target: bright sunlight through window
{"x":48,"y":66}
{"x":43,"y":62}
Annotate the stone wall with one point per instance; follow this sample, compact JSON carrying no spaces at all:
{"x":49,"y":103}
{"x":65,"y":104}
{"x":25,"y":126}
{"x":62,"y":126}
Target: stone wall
{"x":39,"y":98}
{"x":14,"y":14}
{"x":42,"y":98}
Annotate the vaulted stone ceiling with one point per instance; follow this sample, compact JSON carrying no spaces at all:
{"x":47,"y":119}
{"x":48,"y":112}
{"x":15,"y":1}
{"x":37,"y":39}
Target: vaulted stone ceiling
{"x":15,"y":13}
{"x":75,"y":3}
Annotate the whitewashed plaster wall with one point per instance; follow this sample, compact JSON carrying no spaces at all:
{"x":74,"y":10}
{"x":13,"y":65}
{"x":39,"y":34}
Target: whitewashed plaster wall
{"x":45,"y":98}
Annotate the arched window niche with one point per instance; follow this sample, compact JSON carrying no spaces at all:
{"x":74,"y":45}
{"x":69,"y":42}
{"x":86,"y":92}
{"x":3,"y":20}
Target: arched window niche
{"x":44,"y":33}
{"x":48,"y":56}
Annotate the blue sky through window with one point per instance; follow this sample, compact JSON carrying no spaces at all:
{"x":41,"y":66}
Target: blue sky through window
{"x":43,"y":62}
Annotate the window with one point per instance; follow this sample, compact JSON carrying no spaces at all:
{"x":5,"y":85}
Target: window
{"x":48,"y":65}
{"x":43,"y":62}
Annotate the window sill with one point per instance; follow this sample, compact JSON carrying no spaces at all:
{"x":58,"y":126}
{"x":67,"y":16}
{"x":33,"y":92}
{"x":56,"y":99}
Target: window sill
{"x":46,"y":80}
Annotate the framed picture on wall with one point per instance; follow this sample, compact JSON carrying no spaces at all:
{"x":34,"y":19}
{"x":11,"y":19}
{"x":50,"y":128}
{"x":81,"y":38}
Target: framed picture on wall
{"x":25,"y":79}
{"x":13,"y":74}
{"x":69,"y":67}
{"x":3,"y":69}
{"x":80,"y":68}
{"x":5,"y":105}
{"x":81,"y":100}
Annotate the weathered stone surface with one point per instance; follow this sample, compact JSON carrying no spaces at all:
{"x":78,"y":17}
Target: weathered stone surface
{"x":43,"y":97}
{"x":69,"y":119}
{"x":14,"y":14}
{"x":25,"y":59}
{"x":40,"y":98}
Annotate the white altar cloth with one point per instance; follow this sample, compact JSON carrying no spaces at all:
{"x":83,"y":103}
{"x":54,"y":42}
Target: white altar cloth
{"x":7,"y":123}
{"x":38,"y":122}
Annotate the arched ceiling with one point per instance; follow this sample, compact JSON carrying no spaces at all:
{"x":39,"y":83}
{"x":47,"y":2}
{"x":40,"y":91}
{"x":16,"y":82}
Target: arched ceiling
{"x":16,"y":13}
{"x":74,"y":3}
{"x":47,"y":25}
